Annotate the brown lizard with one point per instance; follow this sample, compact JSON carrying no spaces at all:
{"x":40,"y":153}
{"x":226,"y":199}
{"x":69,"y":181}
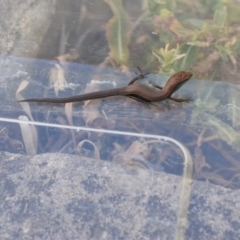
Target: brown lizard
{"x":138,"y":92}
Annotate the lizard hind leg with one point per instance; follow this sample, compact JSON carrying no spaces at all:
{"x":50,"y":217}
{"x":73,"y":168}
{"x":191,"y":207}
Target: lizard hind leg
{"x":141,"y":100}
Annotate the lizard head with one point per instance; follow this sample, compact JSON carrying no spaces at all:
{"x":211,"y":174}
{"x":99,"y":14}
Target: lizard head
{"x":182,"y":76}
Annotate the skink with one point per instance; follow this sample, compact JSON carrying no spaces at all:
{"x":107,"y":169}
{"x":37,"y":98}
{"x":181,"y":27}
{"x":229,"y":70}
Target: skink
{"x":139,"y":92}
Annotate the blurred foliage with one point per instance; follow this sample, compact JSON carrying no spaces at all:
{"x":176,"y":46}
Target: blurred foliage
{"x":118,"y":32}
{"x":204,"y":31}
{"x":168,"y":58}
{"x":202,"y":37}
{"x":199,"y":36}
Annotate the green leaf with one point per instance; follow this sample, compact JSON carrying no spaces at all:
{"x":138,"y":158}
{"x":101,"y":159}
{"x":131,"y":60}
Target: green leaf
{"x":160,"y":1}
{"x":118,"y":32}
{"x":165,"y":13}
{"x":168,"y":57}
{"x":227,"y":133}
{"x":236,"y":143}
{"x":234,"y":110}
{"x":195,"y":22}
{"x":220,"y":17}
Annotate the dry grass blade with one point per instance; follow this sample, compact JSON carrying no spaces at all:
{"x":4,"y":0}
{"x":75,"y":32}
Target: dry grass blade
{"x":25,"y":106}
{"x":68,"y":112}
{"x":96,"y":150}
{"x":90,"y":109}
{"x":199,"y":162}
{"x":136,"y":153}
{"x":4,"y":137}
{"x":57,"y":78}
{"x":137,"y":147}
{"x":29,"y":135}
